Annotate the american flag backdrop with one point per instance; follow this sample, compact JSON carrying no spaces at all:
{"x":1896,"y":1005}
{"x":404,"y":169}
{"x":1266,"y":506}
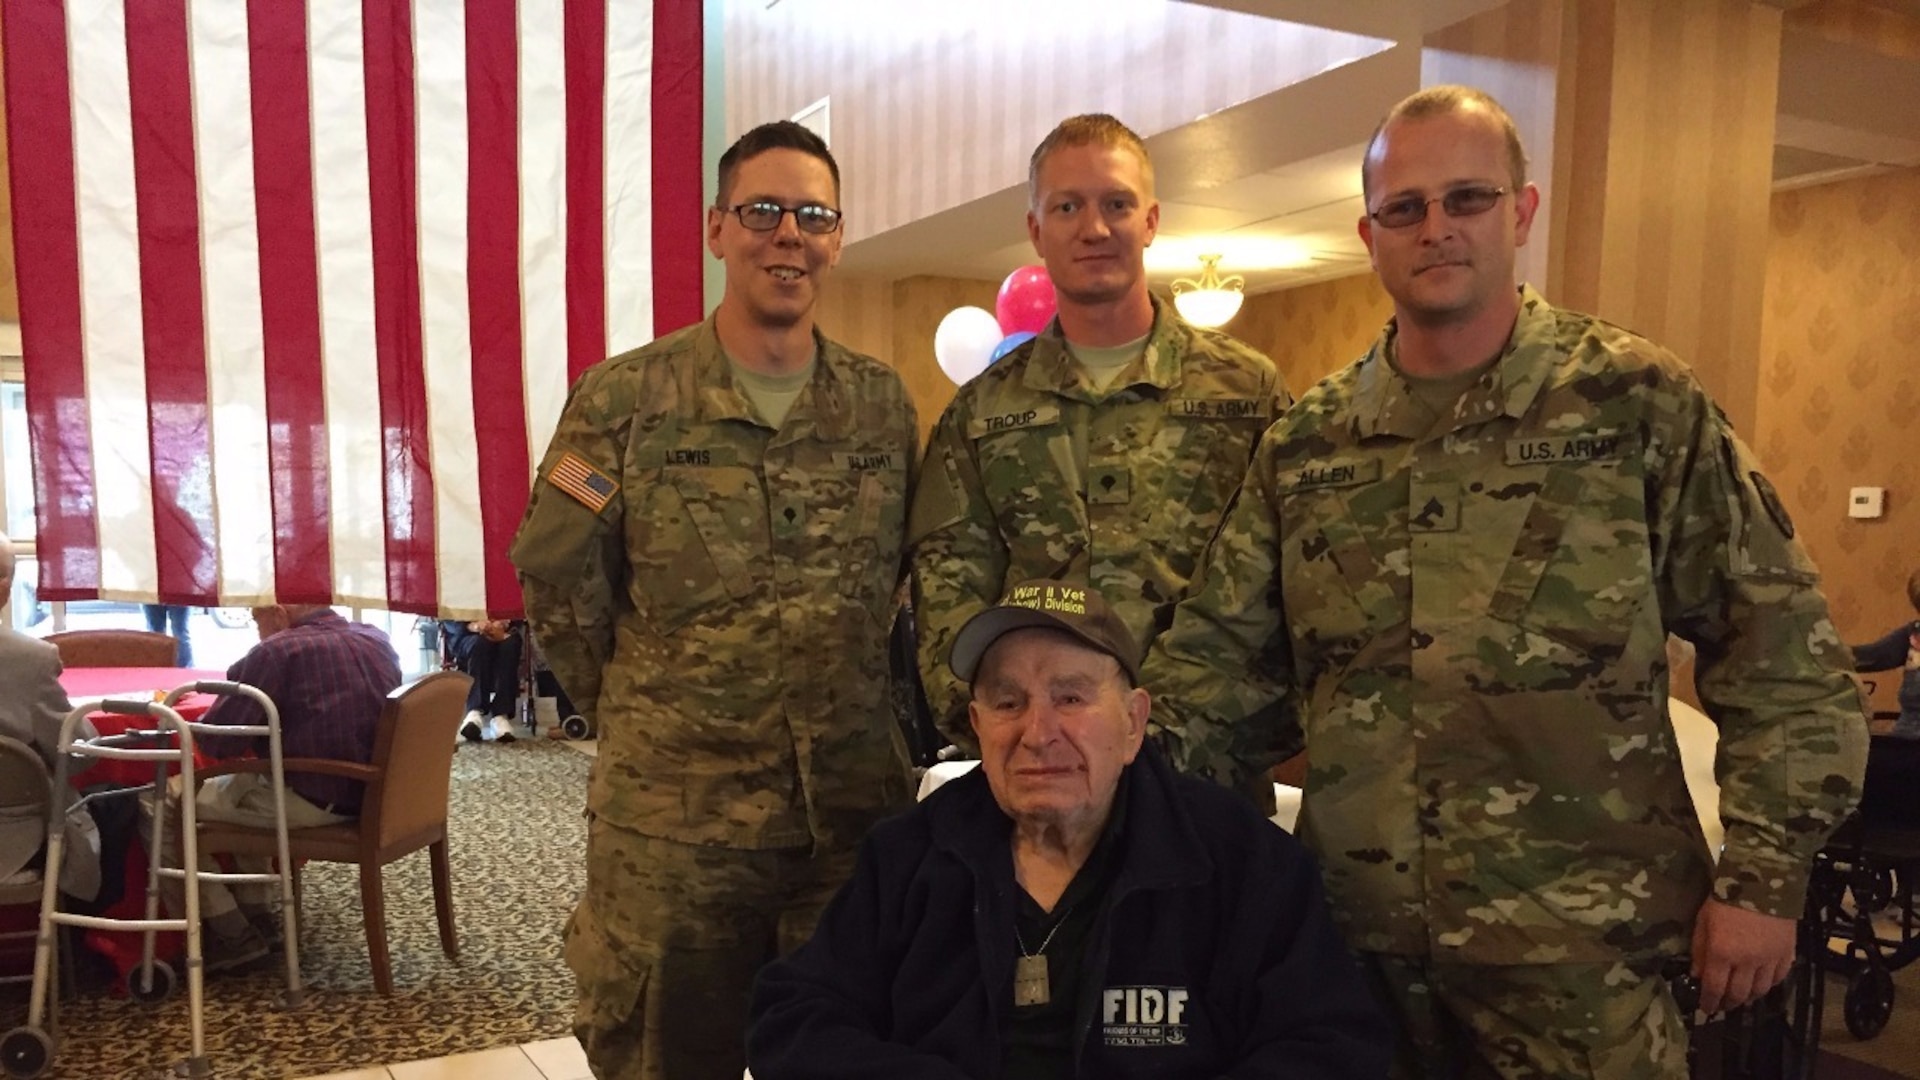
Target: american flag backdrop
{"x":303,"y":282}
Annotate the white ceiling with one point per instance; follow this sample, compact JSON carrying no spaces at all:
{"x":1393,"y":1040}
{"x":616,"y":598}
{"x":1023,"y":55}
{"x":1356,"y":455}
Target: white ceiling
{"x":1273,"y":185}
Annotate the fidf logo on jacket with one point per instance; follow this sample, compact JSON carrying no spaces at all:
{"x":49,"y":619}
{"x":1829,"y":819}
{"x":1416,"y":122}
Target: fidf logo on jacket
{"x":1144,"y":1015}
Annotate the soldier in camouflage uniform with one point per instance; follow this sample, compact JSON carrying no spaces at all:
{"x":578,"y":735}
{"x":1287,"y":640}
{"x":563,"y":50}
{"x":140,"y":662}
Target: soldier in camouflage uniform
{"x":1105,"y":449}
{"x":1456,"y":563}
{"x":709,"y":560}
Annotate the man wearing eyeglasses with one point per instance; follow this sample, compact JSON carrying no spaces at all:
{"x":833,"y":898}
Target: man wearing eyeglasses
{"x":1455,"y":565}
{"x":709,"y":559}
{"x":1105,"y":449}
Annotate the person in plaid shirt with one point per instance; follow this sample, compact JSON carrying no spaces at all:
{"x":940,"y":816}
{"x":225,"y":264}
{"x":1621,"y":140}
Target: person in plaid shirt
{"x":328,"y":677}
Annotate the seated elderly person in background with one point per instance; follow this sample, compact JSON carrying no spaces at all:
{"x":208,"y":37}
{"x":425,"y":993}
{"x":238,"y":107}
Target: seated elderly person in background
{"x":1900,"y":649}
{"x":1070,"y":908}
{"x":32,"y":705}
{"x":328,"y":678}
{"x":489,"y":651}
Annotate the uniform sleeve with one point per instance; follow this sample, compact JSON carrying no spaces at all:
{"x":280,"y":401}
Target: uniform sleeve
{"x":959,"y":563}
{"x":1282,"y":398}
{"x":570,"y":553}
{"x":1219,"y":674}
{"x":820,"y":1012}
{"x":911,"y":443}
{"x":1772,"y":672}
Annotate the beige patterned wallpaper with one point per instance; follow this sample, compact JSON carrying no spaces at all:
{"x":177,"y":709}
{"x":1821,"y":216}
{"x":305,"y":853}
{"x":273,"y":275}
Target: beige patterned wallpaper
{"x":1839,"y":401}
{"x":1314,"y":330}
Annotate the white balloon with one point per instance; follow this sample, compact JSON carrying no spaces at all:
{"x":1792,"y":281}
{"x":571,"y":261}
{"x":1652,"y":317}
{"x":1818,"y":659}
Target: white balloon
{"x":964,"y":342}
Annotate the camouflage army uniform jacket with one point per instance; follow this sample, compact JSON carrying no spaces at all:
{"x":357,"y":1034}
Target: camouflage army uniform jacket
{"x":723,"y":613}
{"x":1471,"y":624}
{"x":1032,"y":473}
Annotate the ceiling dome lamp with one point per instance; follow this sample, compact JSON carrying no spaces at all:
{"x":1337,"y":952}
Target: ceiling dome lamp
{"x":1212,"y":300}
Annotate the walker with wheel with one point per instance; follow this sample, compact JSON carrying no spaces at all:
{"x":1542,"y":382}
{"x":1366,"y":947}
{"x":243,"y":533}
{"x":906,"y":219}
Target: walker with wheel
{"x":28,"y":1051}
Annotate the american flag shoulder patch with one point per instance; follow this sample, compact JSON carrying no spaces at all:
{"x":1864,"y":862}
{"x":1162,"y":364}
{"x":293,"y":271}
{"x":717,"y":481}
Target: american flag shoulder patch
{"x":591,"y":487}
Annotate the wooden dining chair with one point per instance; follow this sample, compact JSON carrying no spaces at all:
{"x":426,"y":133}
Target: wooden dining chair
{"x":115,"y":648}
{"x":404,"y":808}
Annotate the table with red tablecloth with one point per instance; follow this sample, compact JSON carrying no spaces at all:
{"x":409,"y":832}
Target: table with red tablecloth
{"x":137,"y":684}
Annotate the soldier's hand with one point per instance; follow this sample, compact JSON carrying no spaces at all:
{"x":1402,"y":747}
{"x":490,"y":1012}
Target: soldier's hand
{"x":1739,"y":955}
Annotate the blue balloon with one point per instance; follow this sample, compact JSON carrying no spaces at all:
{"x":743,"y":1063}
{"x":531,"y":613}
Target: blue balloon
{"x":1011,"y":342}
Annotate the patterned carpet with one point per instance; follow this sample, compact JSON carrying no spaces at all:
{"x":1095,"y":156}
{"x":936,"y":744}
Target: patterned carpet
{"x":516,"y":847}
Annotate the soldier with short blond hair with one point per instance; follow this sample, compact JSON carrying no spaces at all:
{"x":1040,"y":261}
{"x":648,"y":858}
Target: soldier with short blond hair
{"x":1453,"y":568}
{"x":1107,"y":447}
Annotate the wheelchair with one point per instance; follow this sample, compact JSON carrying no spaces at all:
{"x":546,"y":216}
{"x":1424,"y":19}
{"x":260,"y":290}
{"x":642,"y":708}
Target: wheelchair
{"x":1865,"y":886}
{"x":535,"y":682}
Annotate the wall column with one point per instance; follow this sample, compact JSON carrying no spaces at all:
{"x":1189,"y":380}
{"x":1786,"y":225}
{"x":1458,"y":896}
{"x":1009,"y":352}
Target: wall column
{"x":1650,"y":129}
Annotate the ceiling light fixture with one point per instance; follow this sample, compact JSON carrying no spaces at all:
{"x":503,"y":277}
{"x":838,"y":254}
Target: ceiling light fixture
{"x":1212,"y":300}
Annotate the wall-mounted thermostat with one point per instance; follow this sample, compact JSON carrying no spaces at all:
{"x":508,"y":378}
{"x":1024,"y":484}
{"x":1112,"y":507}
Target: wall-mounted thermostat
{"x":1866,"y":502}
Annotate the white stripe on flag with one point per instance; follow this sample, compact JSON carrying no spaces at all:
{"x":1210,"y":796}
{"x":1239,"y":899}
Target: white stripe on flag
{"x":344,"y":235}
{"x":230,"y":261}
{"x":111,"y":326}
{"x":446,"y":337}
{"x":629,"y":176}
{"x":543,"y":219}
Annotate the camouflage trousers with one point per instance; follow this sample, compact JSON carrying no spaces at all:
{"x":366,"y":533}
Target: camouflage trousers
{"x":1608,"y":1021}
{"x":667,"y":939}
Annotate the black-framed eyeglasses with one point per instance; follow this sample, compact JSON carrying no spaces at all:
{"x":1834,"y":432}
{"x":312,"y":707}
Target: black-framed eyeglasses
{"x":808,"y":217}
{"x":1460,"y":202}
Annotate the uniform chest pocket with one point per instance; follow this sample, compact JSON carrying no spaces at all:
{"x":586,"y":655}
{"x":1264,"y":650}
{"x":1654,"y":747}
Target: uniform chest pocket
{"x":1335,"y":581}
{"x":854,"y":525}
{"x":1034,"y":480}
{"x":1580,"y":568}
{"x":880,"y":525}
{"x":1198,"y":464}
{"x":692,"y":538}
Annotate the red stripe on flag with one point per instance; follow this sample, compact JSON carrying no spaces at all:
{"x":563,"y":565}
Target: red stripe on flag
{"x":393,"y":183}
{"x":290,"y":303}
{"x":46,"y":244}
{"x":493,"y":288}
{"x":586,"y":62}
{"x":172,"y":307}
{"x":676,"y":121}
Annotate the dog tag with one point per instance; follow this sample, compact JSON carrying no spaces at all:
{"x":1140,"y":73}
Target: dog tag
{"x":1030,"y":985}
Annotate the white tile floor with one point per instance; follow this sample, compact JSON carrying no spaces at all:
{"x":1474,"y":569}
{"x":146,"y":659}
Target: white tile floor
{"x":553,"y":1059}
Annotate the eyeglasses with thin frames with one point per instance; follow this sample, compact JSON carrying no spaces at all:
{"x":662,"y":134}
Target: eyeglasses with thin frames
{"x":1460,"y":202}
{"x":808,"y":217}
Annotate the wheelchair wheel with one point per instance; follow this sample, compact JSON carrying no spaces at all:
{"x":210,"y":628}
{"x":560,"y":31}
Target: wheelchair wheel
{"x":576,"y":727}
{"x":162,"y":987}
{"x":25,"y":1052}
{"x":1869,"y":1003}
{"x":1873,"y":889}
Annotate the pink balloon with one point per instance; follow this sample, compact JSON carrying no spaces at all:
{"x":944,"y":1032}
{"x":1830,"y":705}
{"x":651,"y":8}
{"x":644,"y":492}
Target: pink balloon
{"x":1026,"y":301}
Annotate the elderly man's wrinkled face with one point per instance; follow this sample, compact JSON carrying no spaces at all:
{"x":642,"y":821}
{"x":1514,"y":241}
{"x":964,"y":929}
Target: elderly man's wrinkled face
{"x":1057,"y":723}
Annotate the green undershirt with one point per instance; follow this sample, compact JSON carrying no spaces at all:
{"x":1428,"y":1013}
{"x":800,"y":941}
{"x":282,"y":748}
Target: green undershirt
{"x":1103,"y":365}
{"x":772,"y":396}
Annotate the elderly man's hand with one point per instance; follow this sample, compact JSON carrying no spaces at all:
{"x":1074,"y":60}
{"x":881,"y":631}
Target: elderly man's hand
{"x":1739,"y":955}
